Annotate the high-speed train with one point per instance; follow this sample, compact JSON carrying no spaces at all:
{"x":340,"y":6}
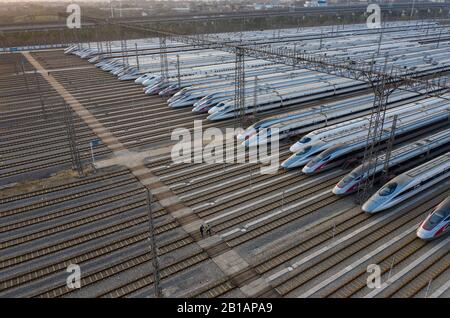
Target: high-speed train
{"x":424,"y":147}
{"x":324,"y":123}
{"x":227,"y":91}
{"x":341,"y":141}
{"x":348,"y":105}
{"x":213,"y":82}
{"x":437,"y":223}
{"x":409,"y":184}
{"x":310,"y":33}
{"x":297,"y":95}
{"x":337,"y":155}
{"x":265,"y":85}
{"x":393,"y":101}
{"x":209,"y":69}
{"x":211,"y":73}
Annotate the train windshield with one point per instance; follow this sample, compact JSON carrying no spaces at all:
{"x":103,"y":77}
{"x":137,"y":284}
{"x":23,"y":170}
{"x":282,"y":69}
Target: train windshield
{"x":349,"y":178}
{"x":436,"y":218}
{"x":304,"y":151}
{"x":388,"y":189}
{"x":318,"y":159}
{"x":304,"y":140}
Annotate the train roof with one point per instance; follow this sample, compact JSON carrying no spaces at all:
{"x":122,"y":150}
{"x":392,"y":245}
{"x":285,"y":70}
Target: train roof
{"x":436,"y":162}
{"x":443,"y":205}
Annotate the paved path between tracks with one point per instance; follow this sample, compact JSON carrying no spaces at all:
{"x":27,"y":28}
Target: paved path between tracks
{"x":228,"y":260}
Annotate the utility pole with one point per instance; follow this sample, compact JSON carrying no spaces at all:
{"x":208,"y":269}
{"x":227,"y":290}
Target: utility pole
{"x":412,"y":9}
{"x":125,"y":45}
{"x":153,"y":248}
{"x":390,"y":144}
{"x":255,"y":98}
{"x":379,"y":42}
{"x":44,"y":113}
{"x":239,"y":88}
{"x":439,"y":40}
{"x":163,"y":58}
{"x":178,"y":71}
{"x":137,"y":56}
{"x":71,"y":136}
{"x":380,"y":84}
{"x":112,"y":10}
{"x":24,"y":75}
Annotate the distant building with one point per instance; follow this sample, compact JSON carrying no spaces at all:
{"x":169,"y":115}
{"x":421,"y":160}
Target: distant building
{"x":181,"y":9}
{"x":315,"y":3}
{"x":267,"y":6}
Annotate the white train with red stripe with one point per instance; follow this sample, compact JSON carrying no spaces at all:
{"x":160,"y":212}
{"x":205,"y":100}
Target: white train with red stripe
{"x":437,"y":223}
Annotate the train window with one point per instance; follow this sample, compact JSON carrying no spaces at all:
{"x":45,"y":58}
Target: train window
{"x":433,"y":220}
{"x":304,"y":140}
{"x":347,"y":179}
{"x":318,"y":159}
{"x":304,"y":151}
{"x":388,"y":189}
{"x":326,"y":158}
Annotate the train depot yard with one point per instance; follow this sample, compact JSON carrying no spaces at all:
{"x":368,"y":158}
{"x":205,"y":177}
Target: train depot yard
{"x":354,"y":122}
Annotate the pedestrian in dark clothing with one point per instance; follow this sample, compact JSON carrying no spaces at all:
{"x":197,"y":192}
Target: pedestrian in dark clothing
{"x":202,"y":229}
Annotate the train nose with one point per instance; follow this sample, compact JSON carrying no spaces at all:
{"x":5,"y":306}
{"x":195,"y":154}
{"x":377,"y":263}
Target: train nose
{"x":253,"y":141}
{"x":309,"y":169}
{"x":213,"y":116}
{"x":423,"y":234}
{"x":200,"y":108}
{"x":212,"y":110}
{"x":294,"y":148}
{"x":175,"y":104}
{"x":285,"y":164}
{"x":291,"y":162}
{"x":338,"y":190}
{"x":246,"y":134}
{"x":371,"y":206}
{"x":240,"y":137}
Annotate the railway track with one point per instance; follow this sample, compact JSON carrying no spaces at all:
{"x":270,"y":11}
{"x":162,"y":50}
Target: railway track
{"x":102,"y":225}
{"x":108,"y":99}
{"x":335,"y":256}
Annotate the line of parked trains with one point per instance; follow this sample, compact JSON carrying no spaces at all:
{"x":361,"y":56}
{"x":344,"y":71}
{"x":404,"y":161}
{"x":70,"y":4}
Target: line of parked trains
{"x":343,"y":143}
{"x":204,"y":80}
{"x":205,"y":77}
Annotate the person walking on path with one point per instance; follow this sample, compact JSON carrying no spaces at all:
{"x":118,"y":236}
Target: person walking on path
{"x":202,"y":229}
{"x":208,"y":230}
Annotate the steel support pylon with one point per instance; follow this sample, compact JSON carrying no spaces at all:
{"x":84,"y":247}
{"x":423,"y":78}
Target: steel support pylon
{"x":163,"y":58}
{"x":153,"y":248}
{"x":389,"y":147}
{"x":374,"y":135}
{"x":71,"y":137}
{"x":239,"y":87}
